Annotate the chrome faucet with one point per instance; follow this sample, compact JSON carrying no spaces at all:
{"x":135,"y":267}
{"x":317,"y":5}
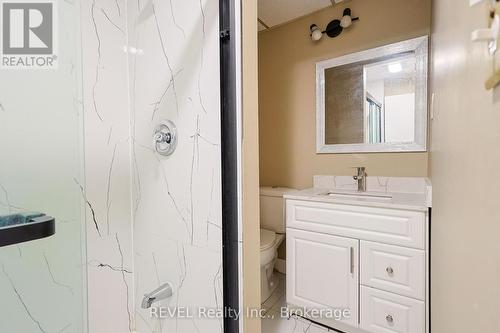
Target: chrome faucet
{"x":361,"y":179}
{"x":162,"y":292}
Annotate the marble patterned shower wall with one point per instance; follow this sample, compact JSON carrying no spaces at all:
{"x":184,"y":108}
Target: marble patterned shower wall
{"x":106,"y":189}
{"x":174,"y":74}
{"x":152,"y":219}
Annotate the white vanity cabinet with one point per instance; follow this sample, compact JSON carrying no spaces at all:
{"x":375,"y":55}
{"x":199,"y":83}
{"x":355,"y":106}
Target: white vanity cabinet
{"x":371,"y":260}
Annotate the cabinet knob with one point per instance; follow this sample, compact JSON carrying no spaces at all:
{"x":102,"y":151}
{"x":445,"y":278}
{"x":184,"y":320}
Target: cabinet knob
{"x":389,"y":319}
{"x":389,"y":270}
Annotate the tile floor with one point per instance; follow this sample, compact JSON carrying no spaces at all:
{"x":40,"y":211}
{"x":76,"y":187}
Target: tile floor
{"x":275,"y":323}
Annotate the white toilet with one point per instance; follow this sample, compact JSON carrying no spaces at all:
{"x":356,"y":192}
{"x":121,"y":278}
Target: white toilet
{"x":272,"y":234}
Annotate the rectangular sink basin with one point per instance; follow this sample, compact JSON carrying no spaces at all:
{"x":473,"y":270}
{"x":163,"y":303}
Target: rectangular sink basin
{"x":340,"y":195}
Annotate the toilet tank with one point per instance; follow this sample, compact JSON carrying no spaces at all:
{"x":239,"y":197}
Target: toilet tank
{"x":272,"y":208}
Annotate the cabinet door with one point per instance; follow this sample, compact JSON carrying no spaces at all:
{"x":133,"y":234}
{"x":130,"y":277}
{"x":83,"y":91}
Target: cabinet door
{"x":322,"y":272}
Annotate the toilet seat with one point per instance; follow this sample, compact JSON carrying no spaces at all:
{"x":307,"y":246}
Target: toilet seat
{"x":267,"y":239}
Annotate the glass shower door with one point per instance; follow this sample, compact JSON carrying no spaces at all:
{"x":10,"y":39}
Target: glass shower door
{"x":42,"y":282}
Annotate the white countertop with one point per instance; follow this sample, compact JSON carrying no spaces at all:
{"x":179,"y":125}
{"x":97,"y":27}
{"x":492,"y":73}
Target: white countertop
{"x":419,"y":200}
{"x":406,"y":201}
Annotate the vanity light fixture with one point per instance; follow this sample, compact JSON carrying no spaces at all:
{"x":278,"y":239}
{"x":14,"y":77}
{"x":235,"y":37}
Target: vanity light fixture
{"x":334,"y":28}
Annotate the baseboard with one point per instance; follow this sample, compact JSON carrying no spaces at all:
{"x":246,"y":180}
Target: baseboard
{"x":280,"y":265}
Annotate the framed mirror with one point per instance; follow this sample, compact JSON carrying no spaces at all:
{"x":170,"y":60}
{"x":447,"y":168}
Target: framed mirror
{"x":374,"y":100}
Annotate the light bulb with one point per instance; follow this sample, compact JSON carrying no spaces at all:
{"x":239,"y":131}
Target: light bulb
{"x":315,"y":33}
{"x":346,"y":21}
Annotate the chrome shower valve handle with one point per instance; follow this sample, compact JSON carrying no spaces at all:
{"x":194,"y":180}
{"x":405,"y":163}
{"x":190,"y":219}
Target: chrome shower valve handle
{"x":165,"y":138}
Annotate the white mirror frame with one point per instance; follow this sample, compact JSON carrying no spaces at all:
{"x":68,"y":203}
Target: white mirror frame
{"x":420,"y":46}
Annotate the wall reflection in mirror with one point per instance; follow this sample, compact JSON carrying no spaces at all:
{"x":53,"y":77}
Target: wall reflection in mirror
{"x":374,"y":100}
{"x":389,"y":110}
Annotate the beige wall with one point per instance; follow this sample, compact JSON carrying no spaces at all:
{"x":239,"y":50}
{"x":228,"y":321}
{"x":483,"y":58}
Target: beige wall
{"x":287,"y":59}
{"x":251,"y":223}
{"x":465,"y":159}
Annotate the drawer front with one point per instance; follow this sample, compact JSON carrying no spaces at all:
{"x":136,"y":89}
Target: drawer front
{"x":392,"y":226}
{"x":383,"y":312}
{"x":392,"y":268}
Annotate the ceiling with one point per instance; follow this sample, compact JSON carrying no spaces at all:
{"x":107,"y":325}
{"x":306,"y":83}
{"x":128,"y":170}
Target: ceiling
{"x":276,"y":12}
{"x":380,"y":71}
